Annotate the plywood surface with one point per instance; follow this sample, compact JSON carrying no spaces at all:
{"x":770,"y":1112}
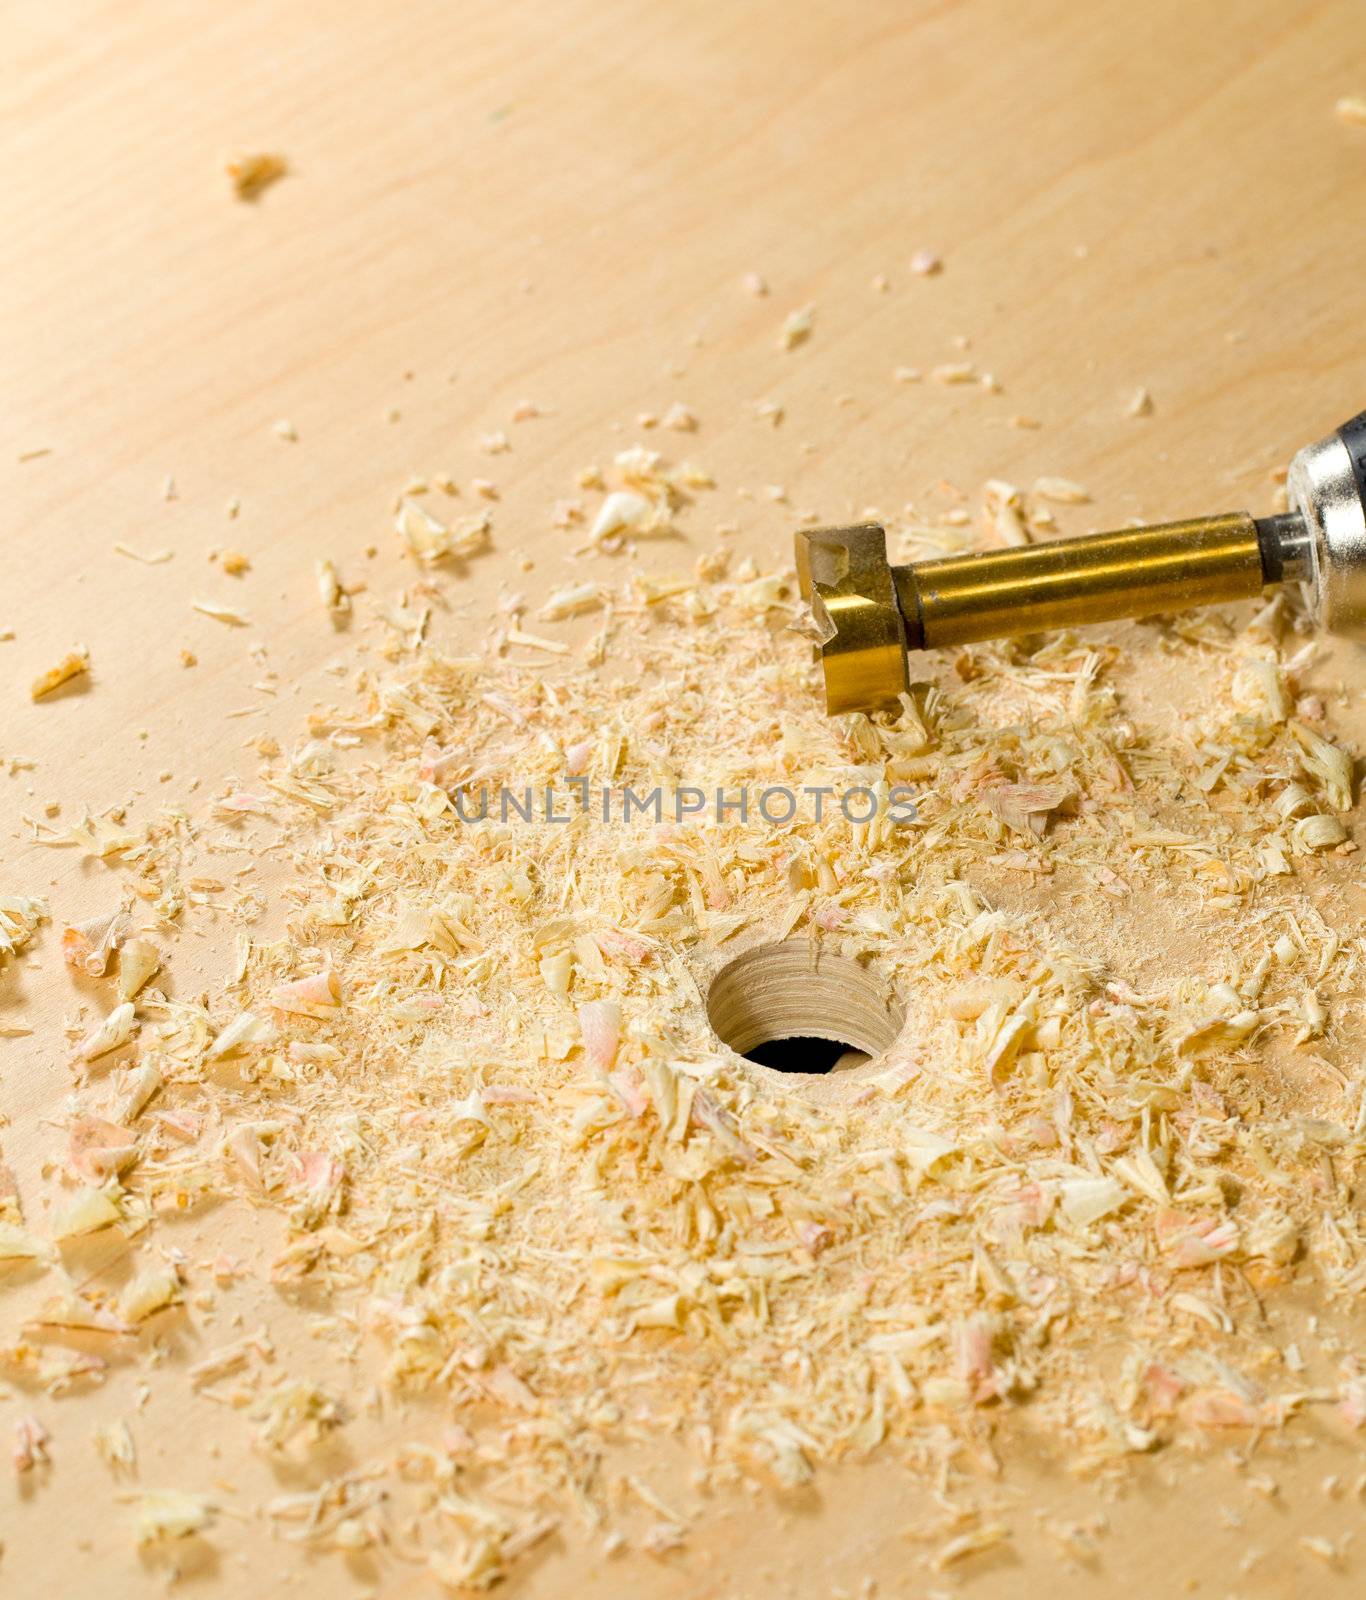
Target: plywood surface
{"x":558,"y":202}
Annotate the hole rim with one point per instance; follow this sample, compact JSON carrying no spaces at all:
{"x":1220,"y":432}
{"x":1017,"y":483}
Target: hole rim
{"x":780,"y":989}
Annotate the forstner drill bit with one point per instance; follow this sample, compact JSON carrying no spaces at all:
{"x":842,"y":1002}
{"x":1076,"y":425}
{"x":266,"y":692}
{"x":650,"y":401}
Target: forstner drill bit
{"x":869,"y":614}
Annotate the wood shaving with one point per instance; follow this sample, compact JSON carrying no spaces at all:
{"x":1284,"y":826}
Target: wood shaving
{"x":18,"y":1244}
{"x":139,"y":960}
{"x":295,"y":1412}
{"x":571,"y":601}
{"x":90,"y":946}
{"x":221,"y":613}
{"x":88,"y":1213}
{"x":31,"y":1440}
{"x":111,"y":1034}
{"x":330,"y":589}
{"x":152,"y":558}
{"x":958,"y":1549}
{"x":253,"y":174}
{"x":1061,"y":490}
{"x":533,"y":641}
{"x":171,"y":1514}
{"x":75,"y":664}
{"x":797,"y":327}
{"x":114,"y":1443}
{"x":432,"y":541}
{"x":151,"y":1291}
{"x":680,"y":418}
{"x":20,"y":915}
{"x":622,"y":511}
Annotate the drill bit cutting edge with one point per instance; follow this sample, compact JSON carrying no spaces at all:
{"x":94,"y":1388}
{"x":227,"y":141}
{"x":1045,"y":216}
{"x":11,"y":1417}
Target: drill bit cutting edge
{"x":869,"y":614}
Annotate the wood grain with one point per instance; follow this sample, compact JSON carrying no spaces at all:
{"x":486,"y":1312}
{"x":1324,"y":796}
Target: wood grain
{"x":557,"y":201}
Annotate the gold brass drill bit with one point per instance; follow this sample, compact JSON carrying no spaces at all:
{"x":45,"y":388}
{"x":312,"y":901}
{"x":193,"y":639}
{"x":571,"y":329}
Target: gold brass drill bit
{"x":869,"y":614}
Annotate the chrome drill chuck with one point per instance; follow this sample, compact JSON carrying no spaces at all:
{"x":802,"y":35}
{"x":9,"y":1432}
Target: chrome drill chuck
{"x":1326,"y":487}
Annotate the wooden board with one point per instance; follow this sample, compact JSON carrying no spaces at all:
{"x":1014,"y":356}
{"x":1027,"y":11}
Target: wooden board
{"x":557,"y":202}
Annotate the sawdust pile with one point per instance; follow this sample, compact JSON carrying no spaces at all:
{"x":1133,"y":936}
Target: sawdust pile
{"x":469,"y":1064}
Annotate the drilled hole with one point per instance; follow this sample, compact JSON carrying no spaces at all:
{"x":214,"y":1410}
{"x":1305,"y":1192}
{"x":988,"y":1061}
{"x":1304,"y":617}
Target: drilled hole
{"x":807,"y":1053}
{"x":795,"y":1009}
